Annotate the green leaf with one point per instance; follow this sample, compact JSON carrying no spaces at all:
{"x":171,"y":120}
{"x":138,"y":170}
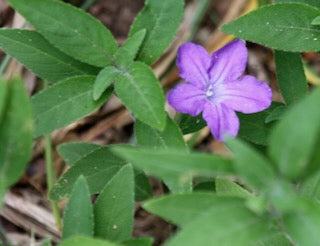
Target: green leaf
{"x":276,"y":114}
{"x":250,"y":165}
{"x":316,"y":21}
{"x":292,"y":140}
{"x":114,"y":208}
{"x":78,"y":215}
{"x":189,"y":124}
{"x":98,"y":168}
{"x":290,"y":74}
{"x":314,"y":3}
{"x":311,"y":187}
{"x":280,"y":26}
{"x":129,"y":50}
{"x":64,"y":103}
{"x":173,"y":163}
{"x":170,"y":138}
{"x":142,"y":241}
{"x":143,"y":189}
{"x":73,"y":152}
{"x":229,"y":223}
{"x":46,"y":242}
{"x":15,"y":133}
{"x":226,"y":187}
{"x":253,"y":127}
{"x":141,"y":93}
{"x":182,"y":209}
{"x":105,"y":78}
{"x":161,"y":19}
{"x":85,"y":241}
{"x":42,"y":58}
{"x":70,"y":29}
{"x":303,"y":224}
{"x":3,"y":97}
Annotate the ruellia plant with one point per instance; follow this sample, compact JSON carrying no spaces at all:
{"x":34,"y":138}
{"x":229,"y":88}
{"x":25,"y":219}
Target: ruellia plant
{"x":266,"y":192}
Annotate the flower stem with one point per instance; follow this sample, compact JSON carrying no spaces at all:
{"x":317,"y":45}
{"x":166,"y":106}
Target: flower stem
{"x":4,"y":64}
{"x":51,"y":178}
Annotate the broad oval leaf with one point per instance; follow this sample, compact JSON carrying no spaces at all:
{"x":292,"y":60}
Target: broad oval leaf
{"x":231,"y":223}
{"x":16,"y":130}
{"x":314,"y":3}
{"x":64,"y":103}
{"x":78,"y":215}
{"x":284,"y":26}
{"x":140,"y":92}
{"x":41,"y":57}
{"x":293,"y":139}
{"x":114,"y":208}
{"x":98,"y":168}
{"x":290,"y":75}
{"x":75,"y":151}
{"x":70,"y":29}
{"x":161,"y":19}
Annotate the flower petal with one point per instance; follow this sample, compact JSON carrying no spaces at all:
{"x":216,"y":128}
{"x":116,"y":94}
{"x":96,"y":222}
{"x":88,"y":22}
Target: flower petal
{"x":229,"y":62}
{"x":221,"y":120}
{"x":247,"y":95}
{"x":186,"y":98}
{"x":193,"y":62}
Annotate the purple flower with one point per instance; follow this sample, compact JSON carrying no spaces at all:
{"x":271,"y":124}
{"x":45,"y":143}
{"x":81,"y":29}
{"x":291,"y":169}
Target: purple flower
{"x":215,"y":86}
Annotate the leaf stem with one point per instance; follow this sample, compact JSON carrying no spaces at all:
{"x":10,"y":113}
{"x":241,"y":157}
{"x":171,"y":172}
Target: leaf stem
{"x":51,"y":178}
{"x":87,"y":4}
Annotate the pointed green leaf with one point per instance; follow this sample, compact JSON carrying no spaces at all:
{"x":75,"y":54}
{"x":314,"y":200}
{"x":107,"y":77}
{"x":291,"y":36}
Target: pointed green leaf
{"x":230,"y":223}
{"x":182,"y":209}
{"x":311,"y":187}
{"x":78,"y":215}
{"x":98,"y":168}
{"x":143,"y":189}
{"x":129,"y":50}
{"x":173,"y":163}
{"x":169,"y":138}
{"x":15,"y":133}
{"x":75,"y":151}
{"x":86,"y":241}
{"x":292,"y":140}
{"x":105,"y":78}
{"x":70,"y":29}
{"x":140,"y":92}
{"x":114,"y":208}
{"x":42,"y":58}
{"x":225,"y":187}
{"x":64,"y":103}
{"x":276,"y":114}
{"x":290,"y":74}
{"x":161,"y":19}
{"x":251,"y":165}
{"x":284,"y":26}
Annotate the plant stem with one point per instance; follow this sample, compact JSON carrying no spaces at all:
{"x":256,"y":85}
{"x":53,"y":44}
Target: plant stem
{"x":51,"y":178}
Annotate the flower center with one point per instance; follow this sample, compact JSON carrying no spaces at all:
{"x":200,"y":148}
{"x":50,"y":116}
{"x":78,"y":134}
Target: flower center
{"x":209,"y":91}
